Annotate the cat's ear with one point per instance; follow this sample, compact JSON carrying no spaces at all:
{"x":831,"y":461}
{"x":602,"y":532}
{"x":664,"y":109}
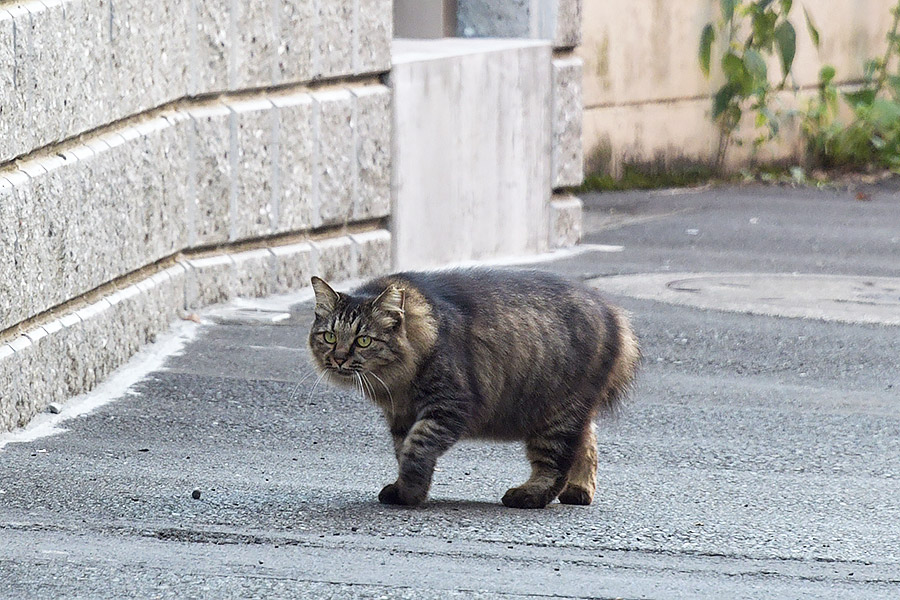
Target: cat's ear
{"x":326,"y":298}
{"x":390,"y":303}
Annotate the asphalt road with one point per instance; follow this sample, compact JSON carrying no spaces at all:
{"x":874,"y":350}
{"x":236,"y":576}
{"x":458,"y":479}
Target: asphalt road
{"x":759,"y":456}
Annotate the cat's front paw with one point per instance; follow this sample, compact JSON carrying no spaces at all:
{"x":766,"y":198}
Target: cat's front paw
{"x":526,"y":497}
{"x":394,"y":494}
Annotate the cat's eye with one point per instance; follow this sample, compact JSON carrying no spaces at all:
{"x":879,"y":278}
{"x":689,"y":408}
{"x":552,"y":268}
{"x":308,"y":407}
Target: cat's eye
{"x":329,"y":337}
{"x":363,"y":341}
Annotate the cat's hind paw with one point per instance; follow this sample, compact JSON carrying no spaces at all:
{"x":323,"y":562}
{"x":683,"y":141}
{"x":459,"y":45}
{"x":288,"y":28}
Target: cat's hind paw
{"x":526,"y":497}
{"x":576,"y":495}
{"x":394,"y":494}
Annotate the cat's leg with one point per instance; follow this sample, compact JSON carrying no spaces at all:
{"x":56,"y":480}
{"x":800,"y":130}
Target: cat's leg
{"x":398,"y":434}
{"x":417,"y":455}
{"x":582,"y":481}
{"x":551,"y":454}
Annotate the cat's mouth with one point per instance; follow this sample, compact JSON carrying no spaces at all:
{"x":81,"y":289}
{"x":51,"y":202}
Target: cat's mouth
{"x":342,"y":371}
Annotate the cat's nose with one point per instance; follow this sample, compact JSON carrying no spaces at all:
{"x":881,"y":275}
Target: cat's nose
{"x":339,"y":360}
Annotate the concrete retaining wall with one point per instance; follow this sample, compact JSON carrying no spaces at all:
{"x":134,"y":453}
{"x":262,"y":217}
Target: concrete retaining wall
{"x":460,"y":184}
{"x":159,"y":157}
{"x":492,"y":179}
{"x":646,"y":100}
{"x":68,"y":66}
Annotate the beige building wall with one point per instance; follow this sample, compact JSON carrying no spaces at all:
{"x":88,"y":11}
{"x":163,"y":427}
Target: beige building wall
{"x":646,"y":101}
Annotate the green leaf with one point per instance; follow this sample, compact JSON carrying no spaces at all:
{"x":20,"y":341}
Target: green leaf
{"x":786,"y":40}
{"x":811,"y":27}
{"x":761,"y":119}
{"x":786,"y":7}
{"x":728,"y":9}
{"x":826,"y":75}
{"x":871,"y":68}
{"x":733,"y":67}
{"x":763,"y":4}
{"x":894,"y":82}
{"x":706,"y":40}
{"x":885,"y":113}
{"x":763,"y":25}
{"x":723,"y":99}
{"x":860,"y":98}
{"x":755,"y":65}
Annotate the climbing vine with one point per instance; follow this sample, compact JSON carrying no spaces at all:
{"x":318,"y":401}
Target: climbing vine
{"x":872,"y":135}
{"x":749,"y":32}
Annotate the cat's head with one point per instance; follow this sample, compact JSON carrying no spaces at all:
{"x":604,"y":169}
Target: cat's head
{"x":352,"y":335}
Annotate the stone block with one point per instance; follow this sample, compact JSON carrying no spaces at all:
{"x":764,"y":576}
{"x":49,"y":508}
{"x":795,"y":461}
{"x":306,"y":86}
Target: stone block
{"x":372,"y":36}
{"x":292,"y":266}
{"x":568,"y":111}
{"x":565,"y":221}
{"x":28,"y":250}
{"x":13,"y":304}
{"x":210,"y":34}
{"x":46,"y":63}
{"x":95,"y":214}
{"x":209,"y":280}
{"x":131,"y":71}
{"x":556,"y":20}
{"x":159,"y":217}
{"x":372,"y":253}
{"x":160,"y":302}
{"x":9,"y":111}
{"x":333,"y":50}
{"x":295,"y":159}
{"x":10,"y":379}
{"x":211,"y":145}
{"x":19,"y":405}
{"x":18,"y":32}
{"x":88,"y":67}
{"x":46,"y":221}
{"x":567,"y":23}
{"x":178,"y":179}
{"x":333,"y":157}
{"x":254,"y":44}
{"x":333,"y":258}
{"x":44,"y":359}
{"x":295,"y":22}
{"x":494,"y":18}
{"x":372,"y":139}
{"x":252,"y":129}
{"x":164,"y":28}
{"x":252,"y":273}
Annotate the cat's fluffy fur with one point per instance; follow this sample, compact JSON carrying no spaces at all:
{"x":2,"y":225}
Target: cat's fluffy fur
{"x":480,"y":353}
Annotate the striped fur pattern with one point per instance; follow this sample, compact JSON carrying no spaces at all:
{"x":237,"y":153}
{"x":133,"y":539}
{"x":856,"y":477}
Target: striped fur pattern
{"x":481,"y":353}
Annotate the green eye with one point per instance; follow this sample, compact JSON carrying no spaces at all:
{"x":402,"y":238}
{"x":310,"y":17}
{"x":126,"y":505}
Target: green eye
{"x":363,"y":341}
{"x":329,"y":337}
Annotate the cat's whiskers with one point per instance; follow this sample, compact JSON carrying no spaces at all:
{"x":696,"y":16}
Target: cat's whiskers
{"x":370,"y":391}
{"x":386,"y":388}
{"x":359,"y":384}
{"x":296,"y":388}
{"x":315,"y":385}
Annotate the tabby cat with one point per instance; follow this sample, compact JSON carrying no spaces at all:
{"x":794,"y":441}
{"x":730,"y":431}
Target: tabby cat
{"x":481,"y":353}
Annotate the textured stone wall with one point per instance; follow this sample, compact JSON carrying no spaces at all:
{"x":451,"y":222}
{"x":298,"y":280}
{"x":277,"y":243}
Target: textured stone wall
{"x":156,"y":157}
{"x":68,"y":66}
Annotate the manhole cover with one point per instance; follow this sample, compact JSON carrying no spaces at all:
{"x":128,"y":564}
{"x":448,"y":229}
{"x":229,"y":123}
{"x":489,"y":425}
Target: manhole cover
{"x":829,"y":297}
